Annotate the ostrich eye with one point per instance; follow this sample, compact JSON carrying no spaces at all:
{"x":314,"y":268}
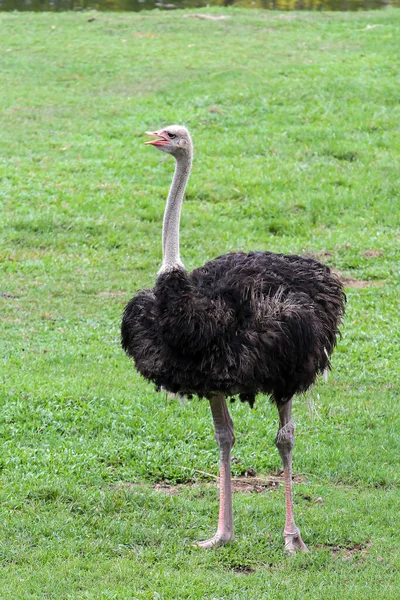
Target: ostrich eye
{"x":171,"y":136}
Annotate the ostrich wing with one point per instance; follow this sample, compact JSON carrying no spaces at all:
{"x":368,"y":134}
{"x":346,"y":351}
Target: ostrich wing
{"x":188,"y":320}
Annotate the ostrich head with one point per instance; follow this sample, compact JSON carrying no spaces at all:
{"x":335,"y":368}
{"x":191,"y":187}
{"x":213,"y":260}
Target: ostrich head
{"x":174,"y":139}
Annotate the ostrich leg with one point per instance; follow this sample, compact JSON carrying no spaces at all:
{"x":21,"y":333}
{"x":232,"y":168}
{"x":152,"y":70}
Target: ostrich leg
{"x":223,"y":426}
{"x":284,"y":442}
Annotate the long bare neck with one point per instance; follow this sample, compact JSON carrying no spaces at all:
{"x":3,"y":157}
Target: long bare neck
{"x":172,"y":214}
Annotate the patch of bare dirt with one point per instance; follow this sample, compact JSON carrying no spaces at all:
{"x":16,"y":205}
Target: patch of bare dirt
{"x":167,"y":488}
{"x":248,"y":483}
{"x":351,"y":282}
{"x":373,"y":253}
{"x":348,"y":552}
{"x":162,"y":487}
{"x":318,"y":255}
{"x":244,"y":485}
{"x":257,"y":485}
{"x":243,"y":569}
{"x":253,"y":485}
{"x":214,"y":108}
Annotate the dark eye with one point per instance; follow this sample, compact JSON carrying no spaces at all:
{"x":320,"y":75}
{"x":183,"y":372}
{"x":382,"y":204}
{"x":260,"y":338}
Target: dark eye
{"x":171,"y":136}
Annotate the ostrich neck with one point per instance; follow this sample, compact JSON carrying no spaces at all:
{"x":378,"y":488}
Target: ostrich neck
{"x":172,"y":214}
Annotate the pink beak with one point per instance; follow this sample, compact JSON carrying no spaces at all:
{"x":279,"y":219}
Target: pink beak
{"x":162,"y":139}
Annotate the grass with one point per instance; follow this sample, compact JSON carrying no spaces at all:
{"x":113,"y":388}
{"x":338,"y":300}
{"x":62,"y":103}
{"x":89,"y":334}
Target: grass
{"x":295,"y":119}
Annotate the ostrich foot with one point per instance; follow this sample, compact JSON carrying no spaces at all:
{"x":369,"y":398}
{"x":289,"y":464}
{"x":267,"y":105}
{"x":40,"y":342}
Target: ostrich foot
{"x":216,"y":541}
{"x":294,"y":543}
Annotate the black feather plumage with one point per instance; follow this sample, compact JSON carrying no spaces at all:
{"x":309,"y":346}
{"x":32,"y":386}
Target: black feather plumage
{"x":240,"y":324}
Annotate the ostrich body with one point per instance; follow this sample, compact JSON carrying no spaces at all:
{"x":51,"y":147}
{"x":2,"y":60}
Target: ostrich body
{"x":242,"y":324}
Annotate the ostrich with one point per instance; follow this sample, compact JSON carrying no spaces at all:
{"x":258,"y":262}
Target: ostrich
{"x":241,"y":324}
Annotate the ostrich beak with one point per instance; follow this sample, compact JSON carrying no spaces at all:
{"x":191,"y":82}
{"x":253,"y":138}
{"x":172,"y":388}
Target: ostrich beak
{"x":162,"y":139}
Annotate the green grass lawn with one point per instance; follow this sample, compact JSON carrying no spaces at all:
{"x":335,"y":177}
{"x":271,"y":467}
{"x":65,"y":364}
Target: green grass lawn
{"x":295,"y":120}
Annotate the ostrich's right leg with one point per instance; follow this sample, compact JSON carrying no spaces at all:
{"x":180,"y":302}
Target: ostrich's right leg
{"x":223,"y":426}
{"x":284,"y":442}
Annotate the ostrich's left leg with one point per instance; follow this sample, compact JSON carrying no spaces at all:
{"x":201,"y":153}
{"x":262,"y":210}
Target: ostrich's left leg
{"x":225,"y":439}
{"x":284,"y":442}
